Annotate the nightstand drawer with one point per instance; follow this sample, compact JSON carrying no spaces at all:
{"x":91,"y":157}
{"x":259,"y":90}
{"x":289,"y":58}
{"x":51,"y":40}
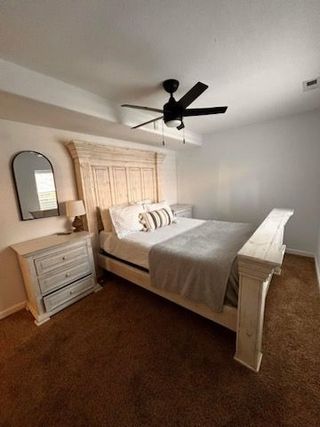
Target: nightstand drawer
{"x":67,"y":275}
{"x":182,"y":210}
{"x":60,"y":258}
{"x":68,"y":294}
{"x":185,"y":214}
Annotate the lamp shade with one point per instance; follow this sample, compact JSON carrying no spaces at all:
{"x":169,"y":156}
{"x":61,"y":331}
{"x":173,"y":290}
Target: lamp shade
{"x":74,"y":208}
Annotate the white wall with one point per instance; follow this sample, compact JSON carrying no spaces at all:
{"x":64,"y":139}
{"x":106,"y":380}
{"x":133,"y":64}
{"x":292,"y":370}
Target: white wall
{"x":16,"y":137}
{"x":243,"y":173}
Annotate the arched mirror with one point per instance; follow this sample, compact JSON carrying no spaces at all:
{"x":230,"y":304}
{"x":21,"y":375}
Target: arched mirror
{"x":35,"y":185}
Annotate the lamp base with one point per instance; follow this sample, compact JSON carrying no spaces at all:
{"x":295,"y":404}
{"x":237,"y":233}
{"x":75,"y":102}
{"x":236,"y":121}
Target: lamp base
{"x":77,"y":224}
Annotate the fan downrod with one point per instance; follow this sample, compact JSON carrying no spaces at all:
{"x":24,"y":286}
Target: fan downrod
{"x":170,"y":85}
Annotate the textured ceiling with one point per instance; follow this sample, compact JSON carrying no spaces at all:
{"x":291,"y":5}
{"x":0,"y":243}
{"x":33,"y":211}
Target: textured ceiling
{"x":253,"y":54}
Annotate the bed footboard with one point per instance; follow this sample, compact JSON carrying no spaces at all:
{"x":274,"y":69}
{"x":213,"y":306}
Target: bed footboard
{"x":258,"y":259}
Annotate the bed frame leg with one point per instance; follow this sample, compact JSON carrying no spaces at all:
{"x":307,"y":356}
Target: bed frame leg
{"x":254,"y":282}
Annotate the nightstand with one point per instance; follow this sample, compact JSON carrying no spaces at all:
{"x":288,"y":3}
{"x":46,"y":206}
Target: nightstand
{"x":182,"y":210}
{"x":58,"y":270}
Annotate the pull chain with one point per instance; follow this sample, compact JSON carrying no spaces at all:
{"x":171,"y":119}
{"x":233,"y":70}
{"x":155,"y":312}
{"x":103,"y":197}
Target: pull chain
{"x":183,"y":140}
{"x":163,"y":141}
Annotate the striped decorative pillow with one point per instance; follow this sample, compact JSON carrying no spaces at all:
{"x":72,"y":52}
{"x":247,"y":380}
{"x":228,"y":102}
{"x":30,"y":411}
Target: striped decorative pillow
{"x":156,"y":219}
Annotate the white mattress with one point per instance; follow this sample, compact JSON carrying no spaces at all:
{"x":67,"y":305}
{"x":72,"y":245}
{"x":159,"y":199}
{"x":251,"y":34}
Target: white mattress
{"x":135,"y":247}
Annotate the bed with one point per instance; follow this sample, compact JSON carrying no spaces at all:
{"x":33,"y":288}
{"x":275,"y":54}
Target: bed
{"x":108,"y":176}
{"x":135,"y":248}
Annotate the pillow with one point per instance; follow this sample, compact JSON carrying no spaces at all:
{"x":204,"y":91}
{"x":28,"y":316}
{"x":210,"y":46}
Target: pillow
{"x":142,"y":202}
{"x":156,"y":219}
{"x":156,"y":206}
{"x":106,"y":218}
{"x":125,"y":219}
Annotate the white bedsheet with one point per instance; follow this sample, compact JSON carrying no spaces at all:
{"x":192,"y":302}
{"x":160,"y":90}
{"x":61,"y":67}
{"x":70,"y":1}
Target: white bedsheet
{"x":135,"y":247}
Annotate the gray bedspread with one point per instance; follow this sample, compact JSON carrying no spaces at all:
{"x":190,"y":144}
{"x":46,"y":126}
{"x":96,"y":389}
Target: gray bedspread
{"x":199,"y":263}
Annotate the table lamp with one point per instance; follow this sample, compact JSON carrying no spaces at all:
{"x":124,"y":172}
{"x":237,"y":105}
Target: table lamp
{"x":74,"y":209}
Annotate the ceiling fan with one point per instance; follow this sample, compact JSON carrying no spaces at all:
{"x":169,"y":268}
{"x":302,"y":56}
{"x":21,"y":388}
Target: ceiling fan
{"x":174,"y":111}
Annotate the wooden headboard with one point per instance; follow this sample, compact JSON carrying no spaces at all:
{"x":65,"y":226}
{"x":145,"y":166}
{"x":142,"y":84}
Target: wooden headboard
{"x":108,"y":175}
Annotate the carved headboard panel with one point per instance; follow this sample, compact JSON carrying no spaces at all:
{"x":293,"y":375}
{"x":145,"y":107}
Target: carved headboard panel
{"x":108,"y":175}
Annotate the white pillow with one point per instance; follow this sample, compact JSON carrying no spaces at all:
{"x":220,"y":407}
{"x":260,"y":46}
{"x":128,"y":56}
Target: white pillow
{"x":125,"y":219}
{"x":142,"y":202}
{"x":105,"y":214}
{"x":106,"y":218}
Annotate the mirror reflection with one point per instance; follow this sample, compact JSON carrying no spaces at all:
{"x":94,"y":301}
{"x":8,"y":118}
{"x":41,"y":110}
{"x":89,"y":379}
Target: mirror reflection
{"x":35,"y":185}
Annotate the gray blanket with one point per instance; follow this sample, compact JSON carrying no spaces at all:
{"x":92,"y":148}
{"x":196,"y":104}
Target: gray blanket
{"x":197,"y":264}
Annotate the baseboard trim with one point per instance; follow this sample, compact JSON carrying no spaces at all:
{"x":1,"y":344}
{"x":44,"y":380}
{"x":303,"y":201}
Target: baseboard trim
{"x":309,"y":255}
{"x":12,"y":309}
{"x":299,"y":252}
{"x":317,"y":270}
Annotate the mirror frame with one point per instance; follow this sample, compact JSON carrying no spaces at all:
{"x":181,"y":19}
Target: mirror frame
{"x":16,"y":186}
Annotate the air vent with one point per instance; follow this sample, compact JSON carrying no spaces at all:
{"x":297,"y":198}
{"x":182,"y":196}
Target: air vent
{"x":311,"y":84}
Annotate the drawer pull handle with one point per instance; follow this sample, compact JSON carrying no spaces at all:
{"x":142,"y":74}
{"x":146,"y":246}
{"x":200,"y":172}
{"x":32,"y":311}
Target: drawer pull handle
{"x":67,"y":274}
{"x":72,"y":292}
{"x":64,"y":258}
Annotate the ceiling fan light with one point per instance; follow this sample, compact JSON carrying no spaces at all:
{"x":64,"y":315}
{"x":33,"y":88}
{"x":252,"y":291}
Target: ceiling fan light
{"x":173,"y":123}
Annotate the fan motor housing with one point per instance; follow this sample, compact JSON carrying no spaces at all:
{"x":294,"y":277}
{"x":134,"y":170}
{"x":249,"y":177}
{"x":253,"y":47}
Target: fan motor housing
{"x":170,"y":85}
{"x":172,"y":110}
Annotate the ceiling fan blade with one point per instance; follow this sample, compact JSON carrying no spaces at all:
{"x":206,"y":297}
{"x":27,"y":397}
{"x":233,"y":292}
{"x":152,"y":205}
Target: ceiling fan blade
{"x":146,"y":123}
{"x":203,"y":111}
{"x":137,"y":107}
{"x":193,"y":94}
{"x":180,"y":126}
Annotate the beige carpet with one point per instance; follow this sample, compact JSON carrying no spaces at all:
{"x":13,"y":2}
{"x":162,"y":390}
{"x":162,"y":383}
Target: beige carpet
{"x":125,"y":357}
